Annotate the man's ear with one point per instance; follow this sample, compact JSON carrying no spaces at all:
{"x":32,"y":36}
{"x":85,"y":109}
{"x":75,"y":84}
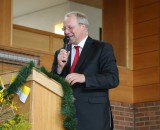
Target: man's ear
{"x":83,"y":27}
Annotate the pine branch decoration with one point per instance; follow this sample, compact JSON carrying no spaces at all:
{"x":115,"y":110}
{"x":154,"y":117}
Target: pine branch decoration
{"x":21,"y":78}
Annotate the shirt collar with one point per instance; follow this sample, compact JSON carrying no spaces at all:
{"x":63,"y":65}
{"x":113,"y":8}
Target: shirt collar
{"x":81,"y":44}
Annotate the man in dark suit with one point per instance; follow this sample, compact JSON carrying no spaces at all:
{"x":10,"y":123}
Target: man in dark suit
{"x":94,"y":74}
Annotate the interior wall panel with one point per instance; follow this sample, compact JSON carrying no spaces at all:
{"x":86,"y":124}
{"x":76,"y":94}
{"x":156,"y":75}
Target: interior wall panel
{"x":146,"y":28}
{"x":146,"y":44}
{"x":148,"y":12}
{"x":140,"y":3}
{"x":24,"y":39}
{"x":114,"y":28}
{"x":5,"y":22}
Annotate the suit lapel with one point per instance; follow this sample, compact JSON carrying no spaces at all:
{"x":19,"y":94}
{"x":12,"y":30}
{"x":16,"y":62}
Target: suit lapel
{"x":85,"y":53}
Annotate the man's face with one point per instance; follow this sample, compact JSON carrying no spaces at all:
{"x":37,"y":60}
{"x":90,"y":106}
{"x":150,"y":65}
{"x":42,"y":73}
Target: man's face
{"x":72,"y":29}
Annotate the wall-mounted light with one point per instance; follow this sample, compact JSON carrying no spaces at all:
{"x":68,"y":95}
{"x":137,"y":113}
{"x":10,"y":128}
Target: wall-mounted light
{"x":58,"y":29}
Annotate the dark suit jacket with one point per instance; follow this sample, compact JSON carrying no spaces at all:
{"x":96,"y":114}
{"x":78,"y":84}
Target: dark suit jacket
{"x":97,"y":62}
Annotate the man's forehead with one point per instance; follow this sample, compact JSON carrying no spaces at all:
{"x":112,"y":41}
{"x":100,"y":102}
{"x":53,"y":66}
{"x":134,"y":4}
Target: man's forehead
{"x":70,"y":19}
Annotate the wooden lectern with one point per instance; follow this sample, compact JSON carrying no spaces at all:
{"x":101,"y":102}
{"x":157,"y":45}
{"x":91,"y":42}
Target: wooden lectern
{"x":43,"y":103}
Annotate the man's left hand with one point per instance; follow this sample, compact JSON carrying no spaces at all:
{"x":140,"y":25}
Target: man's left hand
{"x":75,"y":78}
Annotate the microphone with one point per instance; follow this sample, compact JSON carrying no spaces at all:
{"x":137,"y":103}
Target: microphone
{"x":65,"y":40}
{"x":65,"y":45}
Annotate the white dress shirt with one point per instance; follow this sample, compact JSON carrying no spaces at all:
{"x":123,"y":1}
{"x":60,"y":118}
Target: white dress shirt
{"x":73,"y":52}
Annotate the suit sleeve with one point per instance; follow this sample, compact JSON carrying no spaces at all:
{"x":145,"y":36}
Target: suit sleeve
{"x":55,"y":63}
{"x":107,"y":76}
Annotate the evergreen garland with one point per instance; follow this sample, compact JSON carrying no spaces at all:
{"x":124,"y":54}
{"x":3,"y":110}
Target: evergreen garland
{"x":20,"y":79}
{"x":67,"y":106}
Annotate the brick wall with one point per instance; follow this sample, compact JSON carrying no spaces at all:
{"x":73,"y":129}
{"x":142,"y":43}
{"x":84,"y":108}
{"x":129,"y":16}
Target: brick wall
{"x":140,"y":116}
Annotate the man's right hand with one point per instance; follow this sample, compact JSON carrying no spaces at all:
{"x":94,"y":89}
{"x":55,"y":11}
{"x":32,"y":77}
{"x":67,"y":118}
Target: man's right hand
{"x":62,"y":59}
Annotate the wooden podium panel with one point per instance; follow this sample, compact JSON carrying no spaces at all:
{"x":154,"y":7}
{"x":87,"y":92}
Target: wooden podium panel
{"x":43,"y":103}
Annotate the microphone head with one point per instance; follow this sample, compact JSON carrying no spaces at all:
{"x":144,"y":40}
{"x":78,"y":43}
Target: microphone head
{"x":66,"y":39}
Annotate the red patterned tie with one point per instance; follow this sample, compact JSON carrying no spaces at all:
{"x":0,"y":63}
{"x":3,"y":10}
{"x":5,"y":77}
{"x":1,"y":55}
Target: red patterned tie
{"x":75,"y":59}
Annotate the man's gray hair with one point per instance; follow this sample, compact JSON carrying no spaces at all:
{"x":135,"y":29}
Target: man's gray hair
{"x":81,"y":17}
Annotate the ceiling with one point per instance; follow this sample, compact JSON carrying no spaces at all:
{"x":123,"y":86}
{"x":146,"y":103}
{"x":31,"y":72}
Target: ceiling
{"x":22,"y":7}
{"x":94,"y":3}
